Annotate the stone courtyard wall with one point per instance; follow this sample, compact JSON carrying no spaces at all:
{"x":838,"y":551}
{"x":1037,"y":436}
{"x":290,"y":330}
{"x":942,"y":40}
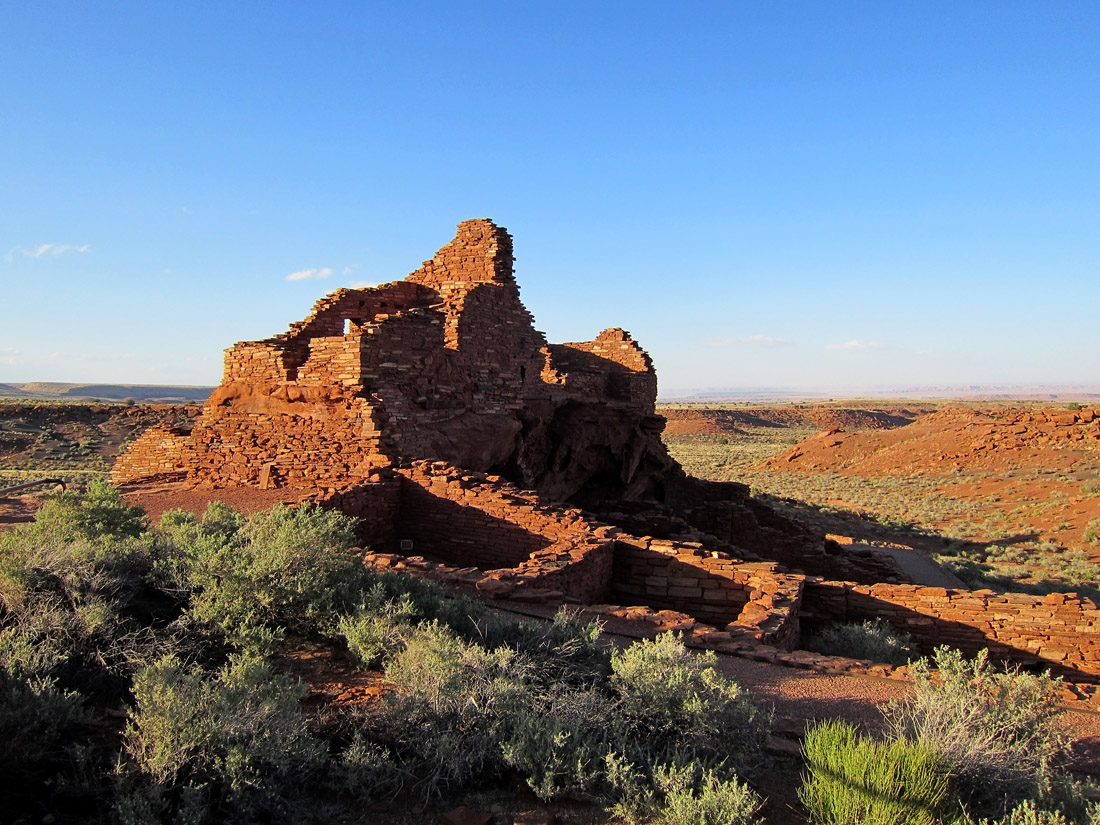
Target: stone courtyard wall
{"x":1058,"y":631}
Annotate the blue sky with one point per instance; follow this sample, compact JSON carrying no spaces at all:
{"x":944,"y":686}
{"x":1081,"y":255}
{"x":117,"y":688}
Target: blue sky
{"x":809,"y":195}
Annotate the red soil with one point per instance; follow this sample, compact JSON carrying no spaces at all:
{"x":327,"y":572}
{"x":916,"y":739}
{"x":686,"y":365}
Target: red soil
{"x":1010,"y":458}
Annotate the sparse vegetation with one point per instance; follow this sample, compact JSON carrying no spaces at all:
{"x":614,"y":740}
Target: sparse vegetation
{"x":992,"y":544}
{"x":873,"y":639}
{"x":993,"y":729}
{"x":177,"y":623}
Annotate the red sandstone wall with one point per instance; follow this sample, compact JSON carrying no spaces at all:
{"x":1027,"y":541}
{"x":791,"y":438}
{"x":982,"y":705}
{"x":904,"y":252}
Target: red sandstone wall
{"x":374,"y":502}
{"x":612,"y":366}
{"x":468,"y":520}
{"x":446,"y":365}
{"x":159,"y":452}
{"x":1060,"y":631}
{"x":674,"y":576}
{"x":736,"y":597}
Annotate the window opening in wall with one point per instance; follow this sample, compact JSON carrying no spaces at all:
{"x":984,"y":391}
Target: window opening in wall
{"x":347,"y":326}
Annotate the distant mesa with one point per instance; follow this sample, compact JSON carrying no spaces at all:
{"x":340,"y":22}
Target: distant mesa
{"x":144,"y":393}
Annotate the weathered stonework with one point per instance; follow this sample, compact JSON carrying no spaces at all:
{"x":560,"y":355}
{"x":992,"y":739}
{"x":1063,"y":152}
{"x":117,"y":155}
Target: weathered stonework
{"x":444,"y":365}
{"x":476,"y":453}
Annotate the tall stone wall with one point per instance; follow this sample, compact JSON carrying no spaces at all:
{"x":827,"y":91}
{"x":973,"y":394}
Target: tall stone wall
{"x":445,"y":365}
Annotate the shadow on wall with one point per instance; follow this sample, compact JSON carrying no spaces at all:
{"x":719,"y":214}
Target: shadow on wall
{"x":641,"y":575}
{"x":457,"y":534}
{"x":1056,"y":631}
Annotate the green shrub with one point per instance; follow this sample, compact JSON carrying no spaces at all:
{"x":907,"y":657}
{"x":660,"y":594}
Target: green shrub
{"x":285,"y":568}
{"x":856,"y":781}
{"x":559,"y":742}
{"x":235,"y":740}
{"x":371,"y":635}
{"x":873,"y":639}
{"x":568,"y":650}
{"x":1091,"y":486}
{"x":702,"y":797}
{"x":72,"y":595}
{"x":996,"y":731}
{"x":97,"y":513}
{"x":453,"y":701}
{"x":35,"y":720}
{"x":1091,"y":533}
{"x":1030,"y":813}
{"x":673,"y":700}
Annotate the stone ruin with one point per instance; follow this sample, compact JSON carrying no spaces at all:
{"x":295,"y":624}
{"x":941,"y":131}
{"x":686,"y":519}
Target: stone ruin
{"x":476,"y":453}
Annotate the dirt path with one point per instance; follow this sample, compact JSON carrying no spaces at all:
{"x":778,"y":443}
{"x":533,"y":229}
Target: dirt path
{"x":920,"y":568}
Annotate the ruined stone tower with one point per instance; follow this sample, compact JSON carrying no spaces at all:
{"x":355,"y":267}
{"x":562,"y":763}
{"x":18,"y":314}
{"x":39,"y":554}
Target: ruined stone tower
{"x":443,"y":365}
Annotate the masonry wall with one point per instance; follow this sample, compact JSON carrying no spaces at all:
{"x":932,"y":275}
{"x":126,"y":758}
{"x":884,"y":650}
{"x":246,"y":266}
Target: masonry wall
{"x":158,"y":453}
{"x":1059,"y":631}
{"x":612,"y":366}
{"x":460,"y":533}
{"x":374,"y":502}
{"x":735,"y":596}
{"x":676,"y":576}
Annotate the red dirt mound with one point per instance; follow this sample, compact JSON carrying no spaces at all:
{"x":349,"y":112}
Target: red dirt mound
{"x":703,"y":421}
{"x":992,"y":440}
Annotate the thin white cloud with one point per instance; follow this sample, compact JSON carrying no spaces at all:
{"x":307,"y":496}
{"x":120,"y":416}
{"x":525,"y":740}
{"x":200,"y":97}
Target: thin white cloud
{"x":749,"y":341}
{"x":362,"y":284}
{"x":348,"y":270}
{"x":42,"y":250}
{"x":309,"y":274}
{"x":856,"y":345}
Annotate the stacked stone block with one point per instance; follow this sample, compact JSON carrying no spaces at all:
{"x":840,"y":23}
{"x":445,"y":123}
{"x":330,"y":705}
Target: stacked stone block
{"x":1059,"y":631}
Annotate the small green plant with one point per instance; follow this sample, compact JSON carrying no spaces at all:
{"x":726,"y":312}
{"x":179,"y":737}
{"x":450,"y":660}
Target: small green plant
{"x":702,"y":797}
{"x":994,"y":730}
{"x":1091,"y":486}
{"x":873,"y":639}
{"x":235,"y":739}
{"x":1091,"y":533}
{"x":1029,"y":813}
{"x":673,"y":699}
{"x":284,"y":568}
{"x":856,"y":780}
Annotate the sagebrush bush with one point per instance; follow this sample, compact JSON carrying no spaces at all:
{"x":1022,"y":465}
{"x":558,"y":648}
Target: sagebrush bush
{"x":72,"y":596}
{"x":873,"y":639}
{"x":235,"y":740}
{"x":856,"y":780}
{"x":1030,"y":813}
{"x":287,"y":568}
{"x":996,"y":731}
{"x":559,"y":742}
{"x":671,"y":699}
{"x":97,"y":513}
{"x":702,"y":797}
{"x":447,"y":718}
{"x":35,"y":722}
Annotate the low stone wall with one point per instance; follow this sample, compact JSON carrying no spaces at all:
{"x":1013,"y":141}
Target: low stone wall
{"x":679,"y":576}
{"x":738,"y":598}
{"x":158,"y":453}
{"x":374,"y":502}
{"x":1058,"y":631}
{"x":470,"y":520}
